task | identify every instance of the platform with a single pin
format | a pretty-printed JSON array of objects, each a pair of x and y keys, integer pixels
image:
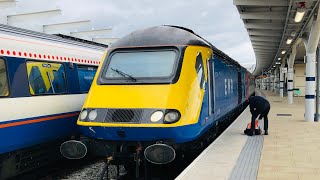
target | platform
[{"x": 290, "y": 151}]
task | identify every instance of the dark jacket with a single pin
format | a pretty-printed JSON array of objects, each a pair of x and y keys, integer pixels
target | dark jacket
[{"x": 258, "y": 105}]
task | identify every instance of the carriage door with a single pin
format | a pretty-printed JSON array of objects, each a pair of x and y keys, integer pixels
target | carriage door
[
  {"x": 211, "y": 99},
  {"x": 239, "y": 88}
]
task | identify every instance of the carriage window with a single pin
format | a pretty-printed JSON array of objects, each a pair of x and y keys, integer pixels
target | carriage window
[
  {"x": 86, "y": 75},
  {"x": 231, "y": 86},
  {"x": 46, "y": 78},
  {"x": 4, "y": 89},
  {"x": 199, "y": 69},
  {"x": 225, "y": 87}
]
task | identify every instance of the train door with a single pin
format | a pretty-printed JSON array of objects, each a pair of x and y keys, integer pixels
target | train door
[
  {"x": 211, "y": 96},
  {"x": 247, "y": 86},
  {"x": 239, "y": 87}
]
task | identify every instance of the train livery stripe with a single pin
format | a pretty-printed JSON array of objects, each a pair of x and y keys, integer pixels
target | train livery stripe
[
  {"x": 37, "y": 120},
  {"x": 26, "y": 108}
]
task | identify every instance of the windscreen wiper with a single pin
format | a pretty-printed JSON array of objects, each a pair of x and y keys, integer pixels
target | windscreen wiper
[{"x": 124, "y": 74}]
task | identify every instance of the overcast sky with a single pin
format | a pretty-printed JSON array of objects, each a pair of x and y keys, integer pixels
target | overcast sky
[{"x": 216, "y": 20}]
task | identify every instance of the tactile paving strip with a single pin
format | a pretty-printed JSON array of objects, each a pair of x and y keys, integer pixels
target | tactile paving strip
[{"x": 247, "y": 164}]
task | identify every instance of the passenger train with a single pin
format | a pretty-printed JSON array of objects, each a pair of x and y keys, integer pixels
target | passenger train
[
  {"x": 44, "y": 80},
  {"x": 159, "y": 92}
]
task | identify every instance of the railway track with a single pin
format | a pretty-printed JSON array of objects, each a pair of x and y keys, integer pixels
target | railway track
[{"x": 92, "y": 169}]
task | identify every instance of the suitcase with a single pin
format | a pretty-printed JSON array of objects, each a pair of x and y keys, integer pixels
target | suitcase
[{"x": 257, "y": 129}]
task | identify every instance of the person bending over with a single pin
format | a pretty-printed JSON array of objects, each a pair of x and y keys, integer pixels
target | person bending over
[{"x": 259, "y": 106}]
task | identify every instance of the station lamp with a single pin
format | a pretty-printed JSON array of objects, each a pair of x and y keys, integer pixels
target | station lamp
[
  {"x": 283, "y": 52},
  {"x": 300, "y": 12},
  {"x": 278, "y": 63},
  {"x": 279, "y": 58},
  {"x": 289, "y": 40}
]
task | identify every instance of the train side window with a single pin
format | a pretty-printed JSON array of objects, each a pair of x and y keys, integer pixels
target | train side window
[
  {"x": 86, "y": 75},
  {"x": 231, "y": 86},
  {"x": 36, "y": 81},
  {"x": 4, "y": 87},
  {"x": 199, "y": 70},
  {"x": 211, "y": 97},
  {"x": 46, "y": 78},
  {"x": 225, "y": 87}
]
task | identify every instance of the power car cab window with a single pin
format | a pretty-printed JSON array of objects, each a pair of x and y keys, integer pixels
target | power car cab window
[
  {"x": 141, "y": 66},
  {"x": 46, "y": 78},
  {"x": 4, "y": 89},
  {"x": 200, "y": 71}
]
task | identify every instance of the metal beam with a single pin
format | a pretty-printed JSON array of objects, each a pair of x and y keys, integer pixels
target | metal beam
[
  {"x": 265, "y": 39},
  {"x": 64, "y": 27},
  {"x": 264, "y": 47},
  {"x": 105, "y": 40},
  {"x": 265, "y": 50},
  {"x": 31, "y": 16},
  {"x": 261, "y": 3},
  {"x": 265, "y": 57},
  {"x": 264, "y": 33},
  {"x": 7, "y": 4},
  {"x": 89, "y": 34},
  {"x": 261, "y": 54},
  {"x": 263, "y": 15},
  {"x": 264, "y": 53},
  {"x": 264, "y": 25},
  {"x": 264, "y": 43}
]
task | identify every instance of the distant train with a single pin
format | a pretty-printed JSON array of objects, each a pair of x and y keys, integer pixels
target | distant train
[
  {"x": 44, "y": 80},
  {"x": 159, "y": 93}
]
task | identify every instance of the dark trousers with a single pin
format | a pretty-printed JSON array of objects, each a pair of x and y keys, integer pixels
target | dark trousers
[{"x": 263, "y": 114}]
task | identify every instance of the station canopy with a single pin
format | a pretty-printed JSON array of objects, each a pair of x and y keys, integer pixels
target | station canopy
[{"x": 274, "y": 26}]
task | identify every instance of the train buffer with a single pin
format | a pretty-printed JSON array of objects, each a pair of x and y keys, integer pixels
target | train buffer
[{"x": 290, "y": 151}]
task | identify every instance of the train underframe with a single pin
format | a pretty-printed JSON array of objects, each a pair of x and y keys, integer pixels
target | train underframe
[
  {"x": 24, "y": 160},
  {"x": 134, "y": 154}
]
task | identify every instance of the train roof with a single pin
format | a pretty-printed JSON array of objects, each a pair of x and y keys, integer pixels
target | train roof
[
  {"x": 18, "y": 42},
  {"x": 59, "y": 38},
  {"x": 168, "y": 35},
  {"x": 160, "y": 36}
]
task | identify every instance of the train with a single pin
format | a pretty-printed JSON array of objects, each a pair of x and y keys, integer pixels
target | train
[
  {"x": 44, "y": 80},
  {"x": 158, "y": 94}
]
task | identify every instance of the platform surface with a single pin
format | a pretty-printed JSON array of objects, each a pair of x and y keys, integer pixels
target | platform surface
[{"x": 290, "y": 151}]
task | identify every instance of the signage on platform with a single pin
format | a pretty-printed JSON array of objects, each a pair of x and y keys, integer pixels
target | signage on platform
[{"x": 284, "y": 70}]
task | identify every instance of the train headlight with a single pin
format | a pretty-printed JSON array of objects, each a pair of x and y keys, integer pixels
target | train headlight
[
  {"x": 156, "y": 116},
  {"x": 84, "y": 114},
  {"x": 172, "y": 116},
  {"x": 93, "y": 115}
]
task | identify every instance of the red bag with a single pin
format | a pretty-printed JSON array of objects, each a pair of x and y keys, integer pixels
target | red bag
[{"x": 257, "y": 129}]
